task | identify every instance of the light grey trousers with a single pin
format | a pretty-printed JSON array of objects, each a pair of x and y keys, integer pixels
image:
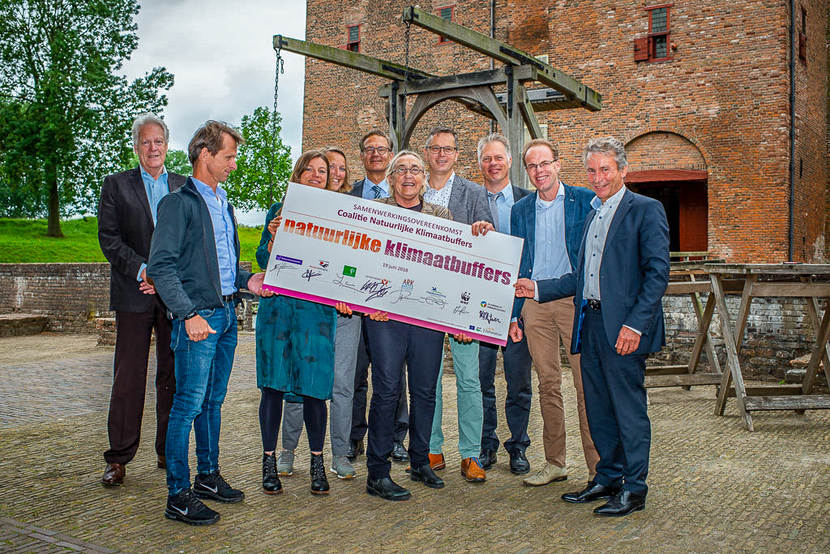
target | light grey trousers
[{"x": 346, "y": 339}]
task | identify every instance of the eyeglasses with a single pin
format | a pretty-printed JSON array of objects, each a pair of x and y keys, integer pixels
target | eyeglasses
[
  {"x": 541, "y": 165},
  {"x": 382, "y": 150},
  {"x": 158, "y": 143},
  {"x": 443, "y": 149},
  {"x": 411, "y": 170}
]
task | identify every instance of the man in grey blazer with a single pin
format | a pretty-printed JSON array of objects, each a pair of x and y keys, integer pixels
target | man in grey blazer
[
  {"x": 467, "y": 203},
  {"x": 126, "y": 219}
]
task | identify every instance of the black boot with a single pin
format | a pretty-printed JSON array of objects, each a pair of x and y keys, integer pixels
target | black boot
[
  {"x": 270, "y": 480},
  {"x": 319, "y": 483}
]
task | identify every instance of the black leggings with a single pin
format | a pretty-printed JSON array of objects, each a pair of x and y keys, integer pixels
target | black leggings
[{"x": 270, "y": 414}]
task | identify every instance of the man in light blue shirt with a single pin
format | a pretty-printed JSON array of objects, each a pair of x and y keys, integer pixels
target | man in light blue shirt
[
  {"x": 551, "y": 222},
  {"x": 494, "y": 161},
  {"x": 126, "y": 220}
]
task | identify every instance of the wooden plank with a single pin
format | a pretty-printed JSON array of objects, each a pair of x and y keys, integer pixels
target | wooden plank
[
  {"x": 733, "y": 363},
  {"x": 769, "y": 269},
  {"x": 790, "y": 290},
  {"x": 819, "y": 352},
  {"x": 809, "y": 377},
  {"x": 768, "y": 390},
  {"x": 506, "y": 53},
  {"x": 347, "y": 58},
  {"x": 681, "y": 369},
  {"x": 743, "y": 311},
  {"x": 685, "y": 380},
  {"x": 704, "y": 337},
  {"x": 680, "y": 287},
  {"x": 802, "y": 402}
]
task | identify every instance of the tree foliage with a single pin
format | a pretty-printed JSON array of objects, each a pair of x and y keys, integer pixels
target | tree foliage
[
  {"x": 263, "y": 163},
  {"x": 65, "y": 110}
]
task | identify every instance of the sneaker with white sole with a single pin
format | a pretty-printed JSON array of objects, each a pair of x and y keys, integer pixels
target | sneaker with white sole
[
  {"x": 285, "y": 463},
  {"x": 342, "y": 467},
  {"x": 548, "y": 474}
]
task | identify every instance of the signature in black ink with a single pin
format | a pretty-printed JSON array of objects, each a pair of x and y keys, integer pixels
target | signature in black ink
[
  {"x": 376, "y": 288},
  {"x": 488, "y": 317},
  {"x": 309, "y": 273},
  {"x": 406, "y": 294},
  {"x": 460, "y": 309}
]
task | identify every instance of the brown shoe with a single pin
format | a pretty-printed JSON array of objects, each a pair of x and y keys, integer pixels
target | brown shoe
[
  {"x": 161, "y": 462},
  {"x": 472, "y": 471},
  {"x": 436, "y": 462},
  {"x": 113, "y": 475}
]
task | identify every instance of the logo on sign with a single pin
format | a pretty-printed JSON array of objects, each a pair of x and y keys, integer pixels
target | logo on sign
[
  {"x": 465, "y": 297},
  {"x": 349, "y": 271}
]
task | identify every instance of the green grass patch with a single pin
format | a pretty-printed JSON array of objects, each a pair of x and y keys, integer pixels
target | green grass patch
[{"x": 25, "y": 241}]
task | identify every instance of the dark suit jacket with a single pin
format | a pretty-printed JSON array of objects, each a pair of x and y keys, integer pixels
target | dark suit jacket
[
  {"x": 125, "y": 227},
  {"x": 632, "y": 278},
  {"x": 183, "y": 261},
  {"x": 357, "y": 187},
  {"x": 523, "y": 225},
  {"x": 468, "y": 202}
]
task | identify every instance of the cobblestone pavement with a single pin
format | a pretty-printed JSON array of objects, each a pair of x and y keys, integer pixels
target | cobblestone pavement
[{"x": 714, "y": 486}]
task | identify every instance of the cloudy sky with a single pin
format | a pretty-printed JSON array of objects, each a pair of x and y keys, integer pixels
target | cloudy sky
[{"x": 222, "y": 58}]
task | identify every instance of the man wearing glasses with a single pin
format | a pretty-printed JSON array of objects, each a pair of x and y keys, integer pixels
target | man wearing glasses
[
  {"x": 550, "y": 221},
  {"x": 467, "y": 203},
  {"x": 375, "y": 153}
]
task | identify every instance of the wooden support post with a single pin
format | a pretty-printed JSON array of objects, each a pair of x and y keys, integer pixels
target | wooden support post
[{"x": 733, "y": 363}]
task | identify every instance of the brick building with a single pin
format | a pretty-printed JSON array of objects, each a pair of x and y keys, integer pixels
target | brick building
[{"x": 699, "y": 92}]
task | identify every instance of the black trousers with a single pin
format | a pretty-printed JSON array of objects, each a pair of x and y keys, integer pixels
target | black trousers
[
  {"x": 392, "y": 343},
  {"x": 361, "y": 390},
  {"x": 132, "y": 351}
]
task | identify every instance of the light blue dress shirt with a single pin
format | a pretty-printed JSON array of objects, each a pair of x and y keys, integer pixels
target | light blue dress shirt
[
  {"x": 369, "y": 193},
  {"x": 155, "y": 189},
  {"x": 595, "y": 241},
  {"x": 223, "y": 232},
  {"x": 550, "y": 255},
  {"x": 504, "y": 201}
]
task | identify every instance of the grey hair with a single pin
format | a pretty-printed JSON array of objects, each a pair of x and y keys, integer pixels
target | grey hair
[
  {"x": 143, "y": 120},
  {"x": 398, "y": 156},
  {"x": 493, "y": 137},
  {"x": 606, "y": 145}
]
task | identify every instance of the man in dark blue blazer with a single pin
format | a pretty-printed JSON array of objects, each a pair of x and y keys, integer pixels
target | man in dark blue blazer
[
  {"x": 550, "y": 221},
  {"x": 494, "y": 161},
  {"x": 618, "y": 285}
]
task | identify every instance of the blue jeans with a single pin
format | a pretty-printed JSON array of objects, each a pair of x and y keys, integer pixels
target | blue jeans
[{"x": 202, "y": 372}]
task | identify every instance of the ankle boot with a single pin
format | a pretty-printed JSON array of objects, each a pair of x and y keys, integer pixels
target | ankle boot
[
  {"x": 319, "y": 483},
  {"x": 270, "y": 480}
]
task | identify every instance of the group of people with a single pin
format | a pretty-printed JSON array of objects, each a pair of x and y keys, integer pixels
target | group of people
[{"x": 593, "y": 270}]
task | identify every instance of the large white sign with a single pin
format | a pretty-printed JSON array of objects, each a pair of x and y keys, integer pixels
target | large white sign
[{"x": 421, "y": 269}]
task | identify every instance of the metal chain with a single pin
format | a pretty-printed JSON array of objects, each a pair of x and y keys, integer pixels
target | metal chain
[
  {"x": 279, "y": 68},
  {"x": 406, "y": 67}
]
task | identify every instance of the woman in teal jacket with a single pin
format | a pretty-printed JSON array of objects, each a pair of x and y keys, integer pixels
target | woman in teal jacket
[{"x": 294, "y": 350}]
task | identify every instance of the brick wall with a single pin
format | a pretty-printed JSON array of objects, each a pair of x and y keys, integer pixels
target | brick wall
[
  {"x": 725, "y": 90},
  {"x": 73, "y": 295}
]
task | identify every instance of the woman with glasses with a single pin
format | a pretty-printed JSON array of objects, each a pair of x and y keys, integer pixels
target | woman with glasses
[
  {"x": 294, "y": 349},
  {"x": 392, "y": 343},
  {"x": 346, "y": 339}
]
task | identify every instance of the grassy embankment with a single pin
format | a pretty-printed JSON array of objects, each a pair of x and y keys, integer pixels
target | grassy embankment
[{"x": 25, "y": 241}]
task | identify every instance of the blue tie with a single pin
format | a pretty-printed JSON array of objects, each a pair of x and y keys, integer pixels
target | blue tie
[{"x": 377, "y": 190}]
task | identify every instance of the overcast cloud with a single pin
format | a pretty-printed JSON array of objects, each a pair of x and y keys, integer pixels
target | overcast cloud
[{"x": 222, "y": 58}]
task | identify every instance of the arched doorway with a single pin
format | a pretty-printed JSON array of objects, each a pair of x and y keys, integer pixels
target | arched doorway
[{"x": 670, "y": 168}]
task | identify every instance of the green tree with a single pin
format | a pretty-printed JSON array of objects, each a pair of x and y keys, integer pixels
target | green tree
[
  {"x": 263, "y": 162},
  {"x": 66, "y": 113}
]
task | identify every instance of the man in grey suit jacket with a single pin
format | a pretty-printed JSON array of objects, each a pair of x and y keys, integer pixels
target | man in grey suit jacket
[
  {"x": 467, "y": 203},
  {"x": 126, "y": 219}
]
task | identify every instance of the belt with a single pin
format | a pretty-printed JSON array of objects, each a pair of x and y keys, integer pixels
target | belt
[
  {"x": 229, "y": 297},
  {"x": 594, "y": 304}
]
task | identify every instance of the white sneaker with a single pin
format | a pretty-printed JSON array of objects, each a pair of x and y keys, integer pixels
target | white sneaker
[
  {"x": 548, "y": 474},
  {"x": 342, "y": 467},
  {"x": 285, "y": 463}
]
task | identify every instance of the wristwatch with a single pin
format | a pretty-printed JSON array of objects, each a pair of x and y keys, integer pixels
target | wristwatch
[{"x": 191, "y": 314}]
